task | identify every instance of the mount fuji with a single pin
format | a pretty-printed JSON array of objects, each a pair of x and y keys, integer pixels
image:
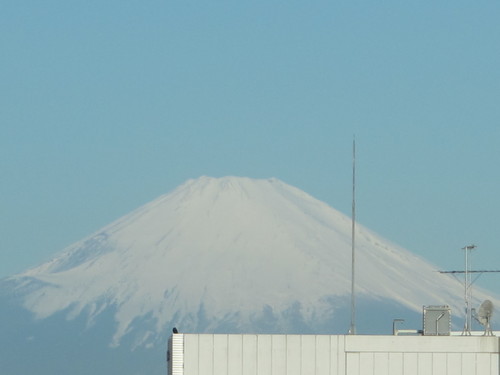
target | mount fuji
[{"x": 215, "y": 255}]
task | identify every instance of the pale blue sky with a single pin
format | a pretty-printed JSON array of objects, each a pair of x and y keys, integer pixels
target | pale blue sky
[{"x": 105, "y": 105}]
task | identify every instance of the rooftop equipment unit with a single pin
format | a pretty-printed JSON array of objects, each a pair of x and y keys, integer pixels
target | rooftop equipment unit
[{"x": 437, "y": 321}]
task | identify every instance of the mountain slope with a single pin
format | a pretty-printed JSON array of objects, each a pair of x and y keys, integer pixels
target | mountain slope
[{"x": 234, "y": 254}]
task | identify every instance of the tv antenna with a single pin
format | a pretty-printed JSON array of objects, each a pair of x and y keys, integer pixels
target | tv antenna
[{"x": 468, "y": 287}]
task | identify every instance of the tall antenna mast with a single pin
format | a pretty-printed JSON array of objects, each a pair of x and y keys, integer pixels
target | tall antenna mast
[
  {"x": 352, "y": 329},
  {"x": 468, "y": 292}
]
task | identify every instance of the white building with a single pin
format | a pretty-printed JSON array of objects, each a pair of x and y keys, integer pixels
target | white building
[{"x": 260, "y": 354}]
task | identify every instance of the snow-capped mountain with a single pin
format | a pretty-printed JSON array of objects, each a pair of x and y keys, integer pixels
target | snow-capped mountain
[{"x": 230, "y": 254}]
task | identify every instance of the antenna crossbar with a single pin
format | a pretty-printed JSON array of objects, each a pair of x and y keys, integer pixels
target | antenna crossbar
[{"x": 479, "y": 271}]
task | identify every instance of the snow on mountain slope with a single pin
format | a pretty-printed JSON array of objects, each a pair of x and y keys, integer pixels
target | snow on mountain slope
[{"x": 228, "y": 248}]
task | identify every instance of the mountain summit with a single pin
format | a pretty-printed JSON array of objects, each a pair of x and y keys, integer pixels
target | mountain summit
[{"x": 236, "y": 255}]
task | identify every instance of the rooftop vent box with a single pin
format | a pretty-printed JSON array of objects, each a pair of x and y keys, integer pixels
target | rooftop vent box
[{"x": 437, "y": 321}]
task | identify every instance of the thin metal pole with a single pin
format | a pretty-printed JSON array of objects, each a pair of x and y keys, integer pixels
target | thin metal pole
[
  {"x": 466, "y": 283},
  {"x": 467, "y": 288},
  {"x": 352, "y": 330},
  {"x": 467, "y": 292}
]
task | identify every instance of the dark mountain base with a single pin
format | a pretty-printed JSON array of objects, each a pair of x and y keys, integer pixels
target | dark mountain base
[{"x": 58, "y": 346}]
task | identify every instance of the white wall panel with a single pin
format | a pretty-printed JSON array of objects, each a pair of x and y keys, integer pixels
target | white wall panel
[
  {"x": 191, "y": 354},
  {"x": 454, "y": 363},
  {"x": 439, "y": 363},
  {"x": 381, "y": 364},
  {"x": 352, "y": 364},
  {"x": 220, "y": 355},
  {"x": 495, "y": 364},
  {"x": 308, "y": 355},
  {"x": 410, "y": 364},
  {"x": 323, "y": 358},
  {"x": 235, "y": 355},
  {"x": 366, "y": 363},
  {"x": 278, "y": 352},
  {"x": 395, "y": 364},
  {"x": 293, "y": 350},
  {"x": 341, "y": 355},
  {"x": 249, "y": 355},
  {"x": 483, "y": 363},
  {"x": 468, "y": 363},
  {"x": 424, "y": 363},
  {"x": 206, "y": 353},
  {"x": 264, "y": 360},
  {"x": 336, "y": 352}
]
